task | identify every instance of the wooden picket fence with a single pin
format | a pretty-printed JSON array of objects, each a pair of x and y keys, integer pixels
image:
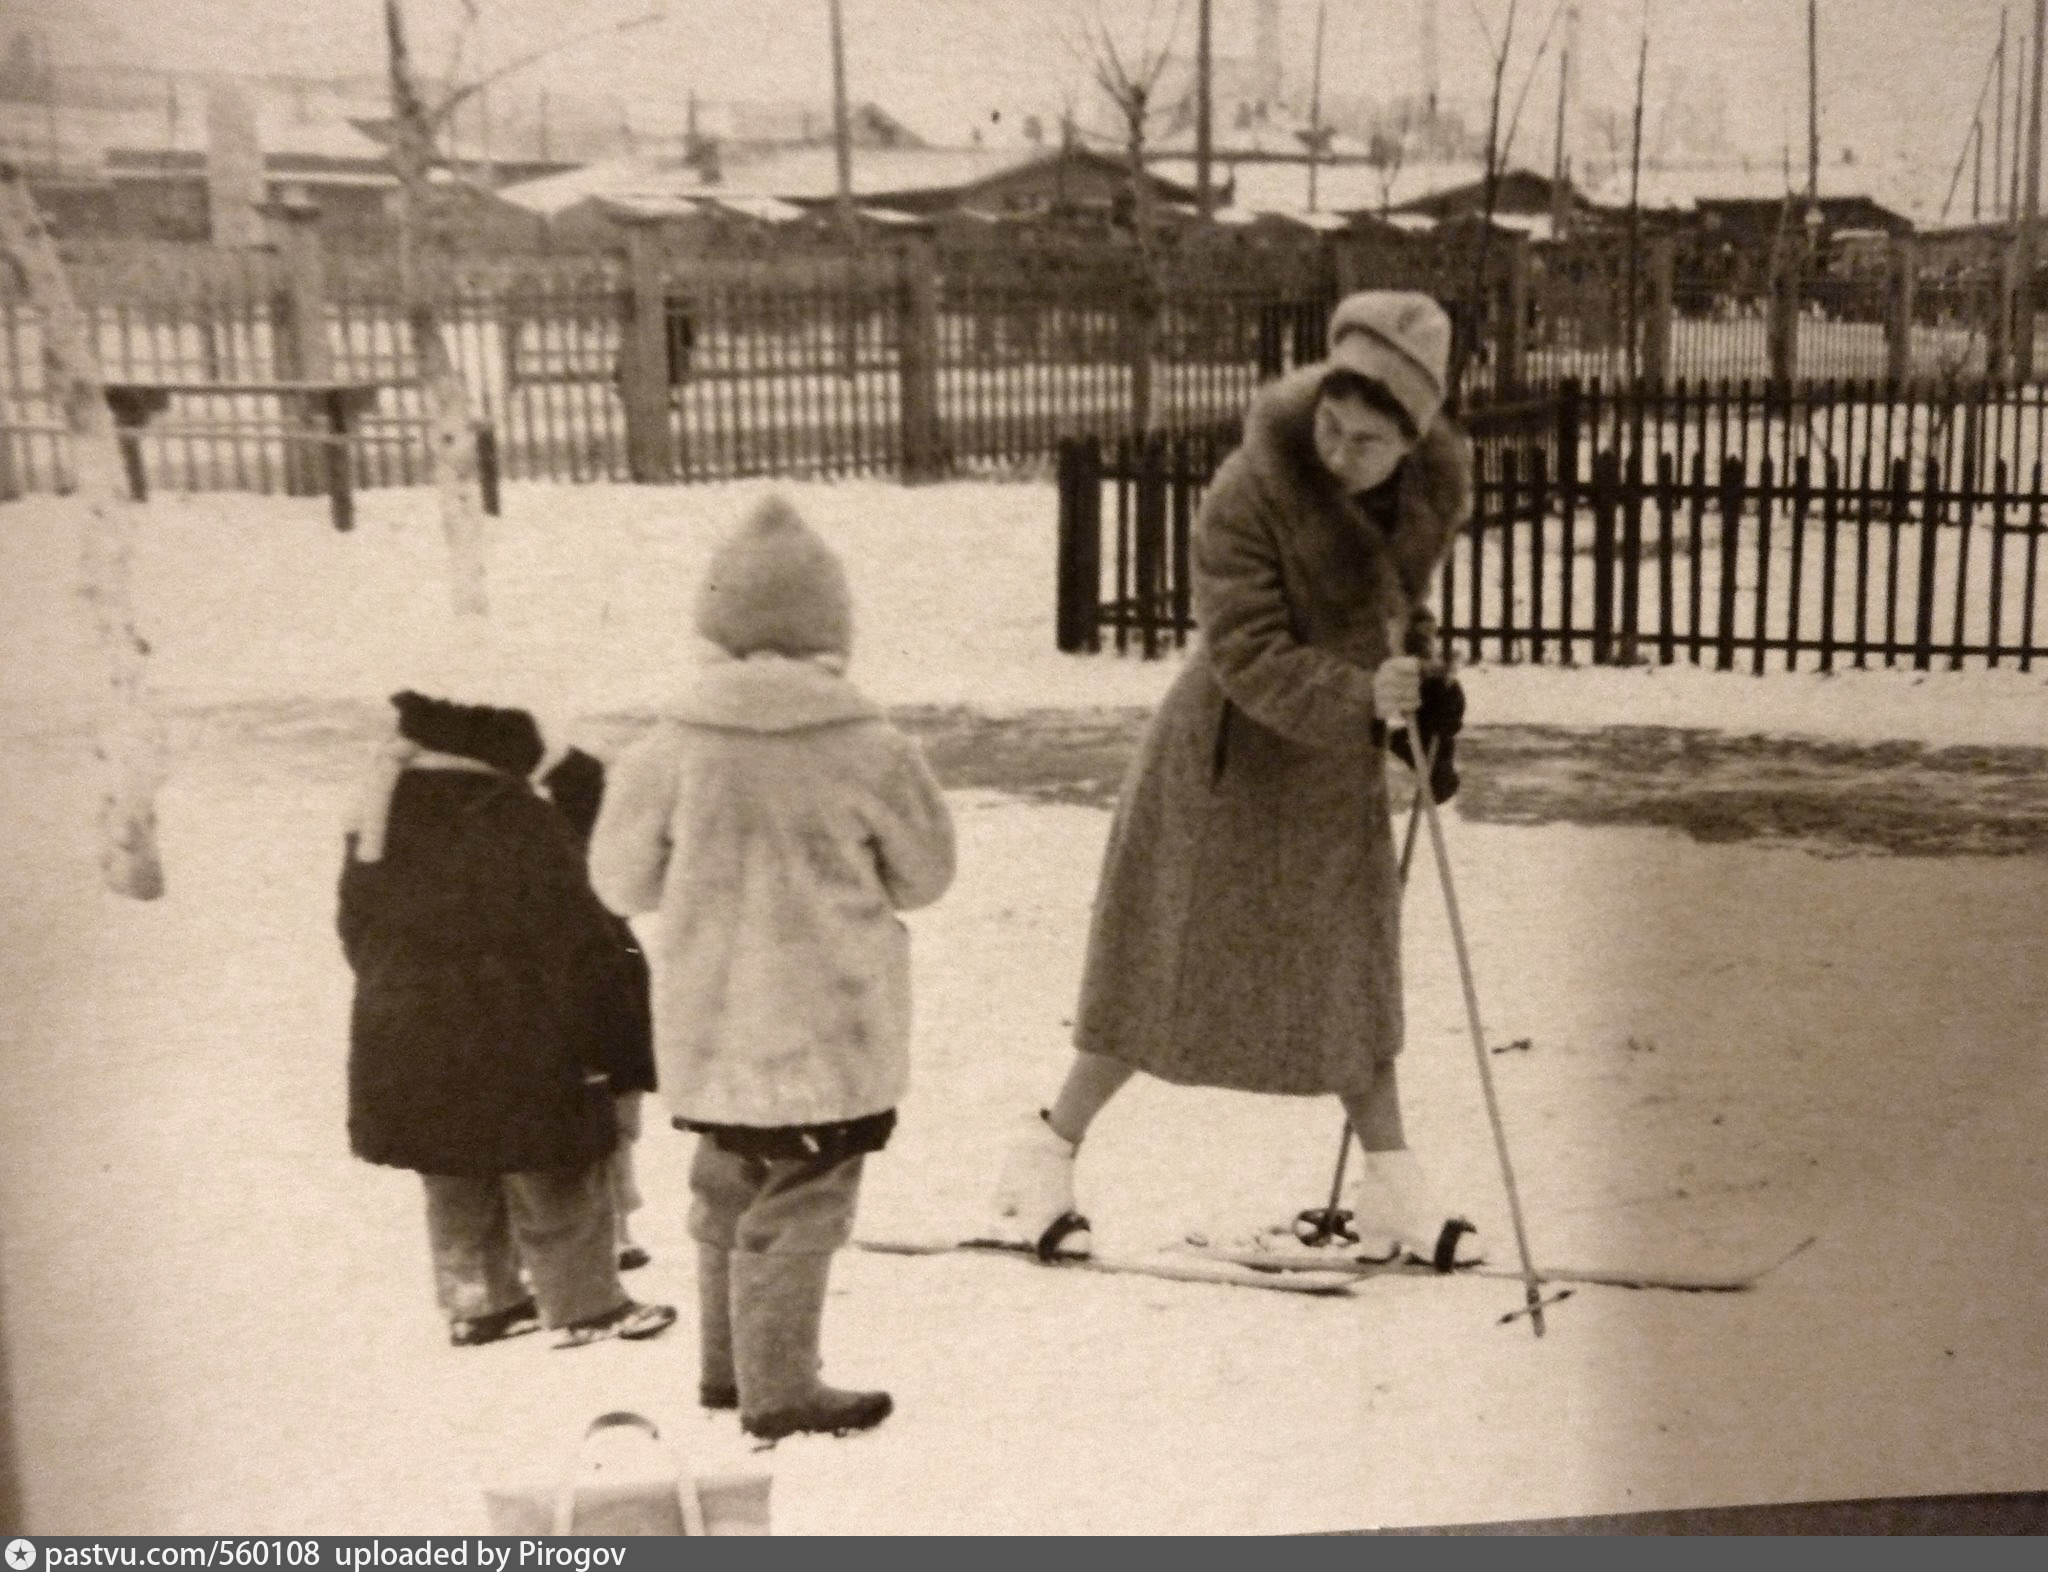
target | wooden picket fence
[
  {"x": 1640, "y": 528},
  {"x": 978, "y": 345},
  {"x": 913, "y": 359}
]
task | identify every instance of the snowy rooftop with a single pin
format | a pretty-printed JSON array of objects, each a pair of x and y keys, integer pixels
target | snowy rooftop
[{"x": 92, "y": 134}]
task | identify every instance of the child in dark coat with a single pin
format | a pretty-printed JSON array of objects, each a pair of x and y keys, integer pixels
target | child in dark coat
[
  {"x": 468, "y": 919},
  {"x": 622, "y": 1018}
]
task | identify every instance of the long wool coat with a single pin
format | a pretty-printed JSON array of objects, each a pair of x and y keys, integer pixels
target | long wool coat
[
  {"x": 477, "y": 945},
  {"x": 778, "y": 823},
  {"x": 1246, "y": 930}
]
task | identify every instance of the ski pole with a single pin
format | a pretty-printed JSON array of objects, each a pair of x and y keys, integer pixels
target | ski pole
[
  {"x": 1531, "y": 1284},
  {"x": 1319, "y": 1228}
]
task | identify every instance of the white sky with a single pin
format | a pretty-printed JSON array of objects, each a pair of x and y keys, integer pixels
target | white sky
[{"x": 1899, "y": 76}]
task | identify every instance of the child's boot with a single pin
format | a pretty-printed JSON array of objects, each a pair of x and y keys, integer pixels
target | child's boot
[
  {"x": 717, "y": 1384},
  {"x": 1034, "y": 1201},
  {"x": 778, "y": 1305}
]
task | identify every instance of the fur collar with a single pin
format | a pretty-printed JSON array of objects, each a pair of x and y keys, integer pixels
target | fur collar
[
  {"x": 1436, "y": 480},
  {"x": 766, "y": 692}
]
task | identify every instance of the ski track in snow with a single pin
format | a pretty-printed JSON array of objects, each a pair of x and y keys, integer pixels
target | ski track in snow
[{"x": 217, "y": 1321}]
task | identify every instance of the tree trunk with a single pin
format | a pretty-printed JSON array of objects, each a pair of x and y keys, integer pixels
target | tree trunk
[
  {"x": 128, "y": 739},
  {"x": 451, "y": 445}
]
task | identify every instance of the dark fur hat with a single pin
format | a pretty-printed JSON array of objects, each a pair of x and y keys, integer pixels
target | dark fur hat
[{"x": 508, "y": 740}]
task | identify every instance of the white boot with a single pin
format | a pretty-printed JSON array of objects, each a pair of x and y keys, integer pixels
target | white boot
[
  {"x": 1034, "y": 1202},
  {"x": 1394, "y": 1212}
]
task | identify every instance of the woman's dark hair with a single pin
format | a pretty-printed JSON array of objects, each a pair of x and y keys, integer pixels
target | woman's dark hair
[{"x": 1344, "y": 383}]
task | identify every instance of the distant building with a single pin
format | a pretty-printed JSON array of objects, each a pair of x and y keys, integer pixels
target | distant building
[
  {"x": 1755, "y": 222},
  {"x": 889, "y": 186},
  {"x": 1523, "y": 201},
  {"x": 128, "y": 174},
  {"x": 1964, "y": 253}
]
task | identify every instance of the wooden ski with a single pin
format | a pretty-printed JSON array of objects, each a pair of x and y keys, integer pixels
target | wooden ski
[
  {"x": 1172, "y": 1265},
  {"x": 1285, "y": 1263}
]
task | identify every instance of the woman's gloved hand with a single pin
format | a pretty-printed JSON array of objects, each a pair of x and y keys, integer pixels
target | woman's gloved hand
[{"x": 1439, "y": 716}]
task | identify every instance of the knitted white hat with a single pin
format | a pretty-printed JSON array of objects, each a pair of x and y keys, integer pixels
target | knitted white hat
[
  {"x": 775, "y": 585},
  {"x": 1400, "y": 339}
]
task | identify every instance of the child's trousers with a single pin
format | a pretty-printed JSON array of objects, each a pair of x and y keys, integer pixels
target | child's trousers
[
  {"x": 766, "y": 1231},
  {"x": 557, "y": 1224},
  {"x": 772, "y": 1205}
]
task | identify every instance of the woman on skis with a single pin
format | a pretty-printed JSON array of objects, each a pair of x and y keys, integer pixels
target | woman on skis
[{"x": 1246, "y": 931}]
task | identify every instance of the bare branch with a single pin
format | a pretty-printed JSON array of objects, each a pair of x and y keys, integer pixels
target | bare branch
[
  {"x": 460, "y": 44},
  {"x": 1073, "y": 34},
  {"x": 1522, "y": 98},
  {"x": 1485, "y": 31},
  {"x": 1129, "y": 74},
  {"x": 1109, "y": 65},
  {"x": 406, "y": 109},
  {"x": 460, "y": 95}
]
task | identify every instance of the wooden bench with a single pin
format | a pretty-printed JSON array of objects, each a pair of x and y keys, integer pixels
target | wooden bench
[{"x": 338, "y": 404}]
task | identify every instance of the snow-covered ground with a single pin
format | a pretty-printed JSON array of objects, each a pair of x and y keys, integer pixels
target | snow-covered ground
[{"x": 217, "y": 1321}]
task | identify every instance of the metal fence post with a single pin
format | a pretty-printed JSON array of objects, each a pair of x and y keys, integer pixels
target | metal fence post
[
  {"x": 1078, "y": 613},
  {"x": 917, "y": 362},
  {"x": 302, "y": 352},
  {"x": 1511, "y": 332},
  {"x": 1998, "y": 322},
  {"x": 1898, "y": 321},
  {"x": 1663, "y": 270},
  {"x": 1140, "y": 329},
  {"x": 1784, "y": 320},
  {"x": 2022, "y": 343},
  {"x": 643, "y": 362}
]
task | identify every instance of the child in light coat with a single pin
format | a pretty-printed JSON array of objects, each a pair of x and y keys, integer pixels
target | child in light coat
[{"x": 777, "y": 822}]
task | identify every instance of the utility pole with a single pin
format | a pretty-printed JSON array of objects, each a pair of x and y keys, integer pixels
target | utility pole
[
  {"x": 1977, "y": 170},
  {"x": 1812, "y": 110},
  {"x": 1205, "y": 196},
  {"x": 1316, "y": 136},
  {"x": 1635, "y": 205},
  {"x": 842, "y": 126},
  {"x": 2019, "y": 115},
  {"x": 1998, "y": 124},
  {"x": 2030, "y": 215},
  {"x": 1558, "y": 167}
]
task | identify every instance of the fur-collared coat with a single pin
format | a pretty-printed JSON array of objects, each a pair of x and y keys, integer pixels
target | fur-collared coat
[
  {"x": 481, "y": 956},
  {"x": 778, "y": 823},
  {"x": 1246, "y": 930}
]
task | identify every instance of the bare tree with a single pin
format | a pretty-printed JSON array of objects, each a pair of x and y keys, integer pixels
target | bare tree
[
  {"x": 1500, "y": 141},
  {"x": 128, "y": 739},
  {"x": 1129, "y": 74},
  {"x": 420, "y": 120}
]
